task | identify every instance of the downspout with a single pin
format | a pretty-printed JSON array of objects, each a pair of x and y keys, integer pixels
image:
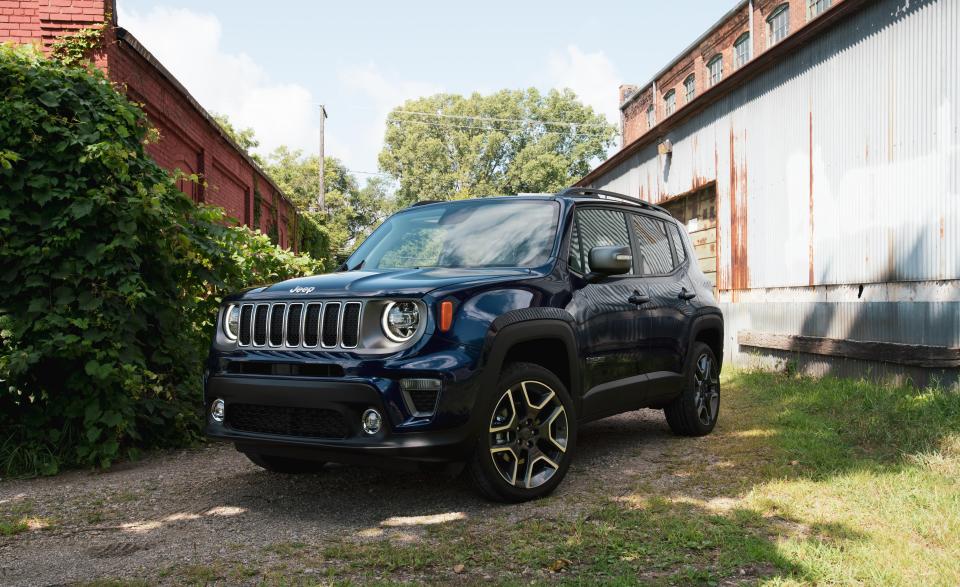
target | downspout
[{"x": 750, "y": 17}]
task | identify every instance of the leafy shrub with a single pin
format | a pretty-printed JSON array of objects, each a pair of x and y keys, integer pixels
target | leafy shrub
[{"x": 112, "y": 277}]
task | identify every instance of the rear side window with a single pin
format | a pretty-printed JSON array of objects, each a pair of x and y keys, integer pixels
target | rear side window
[
  {"x": 678, "y": 244},
  {"x": 597, "y": 227},
  {"x": 653, "y": 246}
]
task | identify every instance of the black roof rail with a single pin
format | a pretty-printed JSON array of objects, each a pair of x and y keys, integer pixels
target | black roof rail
[
  {"x": 592, "y": 193},
  {"x": 425, "y": 202}
]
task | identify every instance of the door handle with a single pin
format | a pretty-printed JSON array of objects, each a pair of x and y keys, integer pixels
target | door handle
[
  {"x": 686, "y": 295},
  {"x": 638, "y": 298}
]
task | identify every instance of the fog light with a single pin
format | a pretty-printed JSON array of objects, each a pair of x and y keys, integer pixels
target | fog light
[
  {"x": 217, "y": 409},
  {"x": 371, "y": 421}
]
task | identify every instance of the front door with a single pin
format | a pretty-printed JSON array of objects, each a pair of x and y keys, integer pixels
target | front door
[{"x": 606, "y": 316}]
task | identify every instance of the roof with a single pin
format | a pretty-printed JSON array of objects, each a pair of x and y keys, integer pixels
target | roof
[
  {"x": 124, "y": 36},
  {"x": 738, "y": 78}
]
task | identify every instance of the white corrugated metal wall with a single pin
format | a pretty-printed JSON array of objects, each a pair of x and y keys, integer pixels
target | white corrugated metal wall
[{"x": 837, "y": 166}]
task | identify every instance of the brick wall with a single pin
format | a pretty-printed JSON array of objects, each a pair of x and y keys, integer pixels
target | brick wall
[
  {"x": 634, "y": 100},
  {"x": 190, "y": 141}
]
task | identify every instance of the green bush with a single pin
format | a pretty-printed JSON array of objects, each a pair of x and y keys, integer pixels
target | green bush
[{"x": 112, "y": 277}]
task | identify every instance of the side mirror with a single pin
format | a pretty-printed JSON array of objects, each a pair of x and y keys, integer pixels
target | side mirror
[{"x": 614, "y": 260}]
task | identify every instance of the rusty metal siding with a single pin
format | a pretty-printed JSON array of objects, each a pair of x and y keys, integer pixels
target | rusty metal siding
[{"x": 839, "y": 165}]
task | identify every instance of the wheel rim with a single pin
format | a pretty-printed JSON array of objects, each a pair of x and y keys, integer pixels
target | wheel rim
[
  {"x": 528, "y": 434},
  {"x": 707, "y": 399}
]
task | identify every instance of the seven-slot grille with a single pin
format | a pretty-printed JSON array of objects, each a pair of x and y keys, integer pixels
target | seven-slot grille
[{"x": 301, "y": 324}]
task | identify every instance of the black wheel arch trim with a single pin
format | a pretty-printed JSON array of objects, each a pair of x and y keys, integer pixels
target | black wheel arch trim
[
  {"x": 526, "y": 324},
  {"x": 706, "y": 322}
]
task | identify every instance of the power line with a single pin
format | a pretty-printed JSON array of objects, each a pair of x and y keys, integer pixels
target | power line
[
  {"x": 488, "y": 129},
  {"x": 493, "y": 119}
]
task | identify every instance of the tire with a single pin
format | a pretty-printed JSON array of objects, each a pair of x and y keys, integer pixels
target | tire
[
  {"x": 512, "y": 429},
  {"x": 694, "y": 412},
  {"x": 284, "y": 464}
]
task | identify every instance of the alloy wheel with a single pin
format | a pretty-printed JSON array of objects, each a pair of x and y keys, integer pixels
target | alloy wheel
[
  {"x": 528, "y": 434},
  {"x": 707, "y": 383}
]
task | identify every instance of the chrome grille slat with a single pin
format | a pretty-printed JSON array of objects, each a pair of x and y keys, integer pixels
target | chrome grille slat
[
  {"x": 246, "y": 324},
  {"x": 311, "y": 325},
  {"x": 278, "y": 316},
  {"x": 330, "y": 327},
  {"x": 350, "y": 325},
  {"x": 260, "y": 318},
  {"x": 294, "y": 325}
]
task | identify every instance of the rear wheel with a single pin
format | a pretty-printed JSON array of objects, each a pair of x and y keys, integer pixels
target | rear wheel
[
  {"x": 284, "y": 464},
  {"x": 695, "y": 411},
  {"x": 528, "y": 435}
]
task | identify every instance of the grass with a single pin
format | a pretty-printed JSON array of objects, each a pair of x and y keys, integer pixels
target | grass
[{"x": 805, "y": 482}]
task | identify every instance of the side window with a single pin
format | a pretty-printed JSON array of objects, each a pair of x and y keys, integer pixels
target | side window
[
  {"x": 654, "y": 247},
  {"x": 601, "y": 228},
  {"x": 678, "y": 244}
]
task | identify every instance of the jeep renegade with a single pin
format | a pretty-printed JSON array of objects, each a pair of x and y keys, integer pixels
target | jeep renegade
[{"x": 480, "y": 332}]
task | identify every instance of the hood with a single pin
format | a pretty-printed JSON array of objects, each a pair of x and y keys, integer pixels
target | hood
[{"x": 404, "y": 282}]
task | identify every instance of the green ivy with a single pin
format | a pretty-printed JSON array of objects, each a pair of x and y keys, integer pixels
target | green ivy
[
  {"x": 112, "y": 277},
  {"x": 76, "y": 49}
]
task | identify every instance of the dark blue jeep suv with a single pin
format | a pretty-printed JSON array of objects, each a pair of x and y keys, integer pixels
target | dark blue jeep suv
[{"x": 479, "y": 331}]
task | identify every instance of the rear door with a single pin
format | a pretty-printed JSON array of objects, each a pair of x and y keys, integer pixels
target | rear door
[{"x": 664, "y": 318}]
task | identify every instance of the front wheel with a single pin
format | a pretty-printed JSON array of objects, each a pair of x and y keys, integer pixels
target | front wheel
[
  {"x": 694, "y": 412},
  {"x": 528, "y": 435}
]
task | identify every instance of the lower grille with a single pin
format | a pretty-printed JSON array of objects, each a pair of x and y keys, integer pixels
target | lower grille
[{"x": 287, "y": 421}]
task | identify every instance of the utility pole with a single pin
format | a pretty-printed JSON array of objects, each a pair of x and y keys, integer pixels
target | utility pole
[{"x": 321, "y": 197}]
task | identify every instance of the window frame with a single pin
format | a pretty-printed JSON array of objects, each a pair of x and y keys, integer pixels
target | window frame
[
  {"x": 718, "y": 58},
  {"x": 635, "y": 245},
  {"x": 670, "y": 102},
  {"x": 821, "y": 5},
  {"x": 690, "y": 92},
  {"x": 584, "y": 255},
  {"x": 743, "y": 39},
  {"x": 775, "y": 14}
]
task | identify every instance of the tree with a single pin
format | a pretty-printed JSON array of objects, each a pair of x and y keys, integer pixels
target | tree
[
  {"x": 244, "y": 138},
  {"x": 448, "y": 146},
  {"x": 352, "y": 212}
]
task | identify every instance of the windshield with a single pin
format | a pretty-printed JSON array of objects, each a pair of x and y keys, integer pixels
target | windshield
[{"x": 476, "y": 233}]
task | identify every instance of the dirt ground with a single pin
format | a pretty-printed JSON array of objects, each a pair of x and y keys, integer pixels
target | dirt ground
[{"x": 200, "y": 507}]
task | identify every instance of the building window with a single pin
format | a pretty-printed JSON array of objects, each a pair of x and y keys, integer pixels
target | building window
[
  {"x": 690, "y": 87},
  {"x": 715, "y": 66},
  {"x": 670, "y": 102},
  {"x": 741, "y": 51},
  {"x": 651, "y": 117},
  {"x": 778, "y": 24},
  {"x": 815, "y": 7}
]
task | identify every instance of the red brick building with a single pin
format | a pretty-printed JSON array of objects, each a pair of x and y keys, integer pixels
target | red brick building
[
  {"x": 190, "y": 140},
  {"x": 744, "y": 33}
]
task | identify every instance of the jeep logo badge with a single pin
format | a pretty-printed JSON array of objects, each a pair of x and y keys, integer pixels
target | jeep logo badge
[{"x": 303, "y": 290}]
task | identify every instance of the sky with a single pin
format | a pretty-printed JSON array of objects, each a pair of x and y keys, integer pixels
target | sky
[{"x": 269, "y": 66}]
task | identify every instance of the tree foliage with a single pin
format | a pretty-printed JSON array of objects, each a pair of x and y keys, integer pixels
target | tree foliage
[
  {"x": 112, "y": 277},
  {"x": 245, "y": 138},
  {"x": 503, "y": 143},
  {"x": 351, "y": 211}
]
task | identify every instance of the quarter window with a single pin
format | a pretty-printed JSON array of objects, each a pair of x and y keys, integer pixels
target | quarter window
[
  {"x": 741, "y": 51},
  {"x": 599, "y": 228},
  {"x": 670, "y": 102},
  {"x": 778, "y": 24},
  {"x": 653, "y": 246},
  {"x": 715, "y": 66},
  {"x": 651, "y": 117},
  {"x": 690, "y": 87},
  {"x": 678, "y": 244},
  {"x": 815, "y": 7}
]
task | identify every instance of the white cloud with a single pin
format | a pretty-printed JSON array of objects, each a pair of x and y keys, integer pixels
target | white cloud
[
  {"x": 383, "y": 93},
  {"x": 229, "y": 83},
  {"x": 592, "y": 76}
]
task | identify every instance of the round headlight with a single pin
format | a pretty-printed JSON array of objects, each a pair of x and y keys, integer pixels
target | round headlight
[
  {"x": 400, "y": 320},
  {"x": 231, "y": 322}
]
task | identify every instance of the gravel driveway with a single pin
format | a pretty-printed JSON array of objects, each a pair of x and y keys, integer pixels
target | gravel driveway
[{"x": 142, "y": 520}]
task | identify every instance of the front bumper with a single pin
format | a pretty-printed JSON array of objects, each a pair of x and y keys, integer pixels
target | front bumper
[{"x": 348, "y": 397}]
